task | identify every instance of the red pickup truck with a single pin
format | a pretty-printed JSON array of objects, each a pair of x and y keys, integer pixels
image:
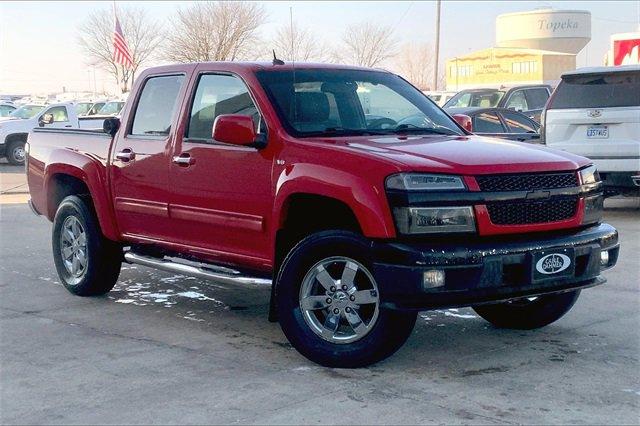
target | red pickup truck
[{"x": 356, "y": 198}]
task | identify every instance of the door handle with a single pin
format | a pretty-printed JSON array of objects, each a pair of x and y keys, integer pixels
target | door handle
[
  {"x": 184, "y": 159},
  {"x": 126, "y": 155}
]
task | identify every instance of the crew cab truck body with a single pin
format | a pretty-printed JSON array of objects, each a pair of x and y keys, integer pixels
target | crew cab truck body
[{"x": 346, "y": 189}]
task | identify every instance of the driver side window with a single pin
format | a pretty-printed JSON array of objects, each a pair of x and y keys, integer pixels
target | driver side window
[{"x": 59, "y": 114}]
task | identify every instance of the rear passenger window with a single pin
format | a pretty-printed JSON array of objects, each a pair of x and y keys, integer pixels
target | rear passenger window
[
  {"x": 487, "y": 122},
  {"x": 156, "y": 105},
  {"x": 216, "y": 95}
]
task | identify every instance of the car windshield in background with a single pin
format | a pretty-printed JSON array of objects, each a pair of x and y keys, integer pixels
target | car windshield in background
[
  {"x": 111, "y": 108},
  {"x": 26, "y": 111},
  {"x": 484, "y": 99},
  {"x": 620, "y": 89},
  {"x": 83, "y": 107},
  {"x": 352, "y": 102}
]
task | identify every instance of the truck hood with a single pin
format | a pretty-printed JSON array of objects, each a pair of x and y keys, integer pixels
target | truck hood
[{"x": 466, "y": 154}]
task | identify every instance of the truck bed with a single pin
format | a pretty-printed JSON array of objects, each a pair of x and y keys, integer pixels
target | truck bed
[{"x": 50, "y": 148}]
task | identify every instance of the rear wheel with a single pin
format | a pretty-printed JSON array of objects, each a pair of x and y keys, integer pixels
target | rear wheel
[
  {"x": 529, "y": 313},
  {"x": 329, "y": 303},
  {"x": 15, "y": 153},
  {"x": 87, "y": 263}
]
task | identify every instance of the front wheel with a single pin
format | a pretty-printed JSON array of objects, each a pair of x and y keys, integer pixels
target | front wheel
[
  {"x": 88, "y": 264},
  {"x": 329, "y": 303},
  {"x": 528, "y": 313},
  {"x": 15, "y": 153}
]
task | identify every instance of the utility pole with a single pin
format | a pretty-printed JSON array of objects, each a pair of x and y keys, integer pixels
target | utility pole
[{"x": 435, "y": 69}]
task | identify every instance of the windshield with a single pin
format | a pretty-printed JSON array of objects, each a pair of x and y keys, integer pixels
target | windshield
[
  {"x": 111, "y": 108},
  {"x": 484, "y": 99},
  {"x": 352, "y": 102},
  {"x": 26, "y": 111}
]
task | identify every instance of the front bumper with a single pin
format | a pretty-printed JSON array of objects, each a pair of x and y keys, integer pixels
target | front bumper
[{"x": 488, "y": 269}]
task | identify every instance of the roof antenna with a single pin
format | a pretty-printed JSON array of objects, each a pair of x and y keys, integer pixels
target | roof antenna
[{"x": 276, "y": 61}]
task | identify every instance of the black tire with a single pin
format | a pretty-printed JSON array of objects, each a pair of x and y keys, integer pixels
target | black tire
[
  {"x": 527, "y": 314},
  {"x": 389, "y": 332},
  {"x": 103, "y": 258},
  {"x": 15, "y": 152}
]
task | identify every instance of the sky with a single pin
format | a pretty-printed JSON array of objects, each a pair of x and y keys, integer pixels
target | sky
[{"x": 39, "y": 52}]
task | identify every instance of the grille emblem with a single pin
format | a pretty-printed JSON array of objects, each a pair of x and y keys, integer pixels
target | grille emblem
[{"x": 594, "y": 113}]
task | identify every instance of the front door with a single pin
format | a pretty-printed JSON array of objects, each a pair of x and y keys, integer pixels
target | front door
[
  {"x": 221, "y": 194},
  {"x": 141, "y": 158}
]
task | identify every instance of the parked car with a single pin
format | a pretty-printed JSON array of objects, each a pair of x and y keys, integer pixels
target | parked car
[
  {"x": 6, "y": 109},
  {"x": 14, "y": 131},
  {"x": 595, "y": 112},
  {"x": 262, "y": 174},
  {"x": 529, "y": 100},
  {"x": 439, "y": 97},
  {"x": 500, "y": 123}
]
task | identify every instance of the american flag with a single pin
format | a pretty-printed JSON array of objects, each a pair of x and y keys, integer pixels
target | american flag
[{"x": 121, "y": 52}]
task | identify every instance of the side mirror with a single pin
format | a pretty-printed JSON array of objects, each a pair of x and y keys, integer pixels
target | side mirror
[
  {"x": 111, "y": 125},
  {"x": 464, "y": 121},
  {"x": 45, "y": 119},
  {"x": 234, "y": 129}
]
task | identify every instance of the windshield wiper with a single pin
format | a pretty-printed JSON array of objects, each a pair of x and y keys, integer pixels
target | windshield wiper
[
  {"x": 334, "y": 131},
  {"x": 411, "y": 128}
]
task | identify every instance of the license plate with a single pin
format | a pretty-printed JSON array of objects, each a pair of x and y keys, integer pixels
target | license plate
[
  {"x": 598, "y": 132},
  {"x": 551, "y": 264}
]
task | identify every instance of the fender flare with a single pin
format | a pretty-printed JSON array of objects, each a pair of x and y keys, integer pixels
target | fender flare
[
  {"x": 367, "y": 202},
  {"x": 93, "y": 173}
]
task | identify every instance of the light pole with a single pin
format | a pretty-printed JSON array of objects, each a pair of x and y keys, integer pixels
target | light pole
[{"x": 435, "y": 71}]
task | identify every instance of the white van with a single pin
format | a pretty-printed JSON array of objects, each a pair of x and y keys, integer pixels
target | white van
[{"x": 595, "y": 112}]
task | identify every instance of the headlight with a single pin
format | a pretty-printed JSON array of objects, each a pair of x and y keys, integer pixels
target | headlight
[
  {"x": 428, "y": 220},
  {"x": 424, "y": 182},
  {"x": 589, "y": 175}
]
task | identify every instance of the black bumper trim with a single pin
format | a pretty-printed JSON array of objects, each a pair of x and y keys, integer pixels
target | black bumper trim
[{"x": 486, "y": 271}]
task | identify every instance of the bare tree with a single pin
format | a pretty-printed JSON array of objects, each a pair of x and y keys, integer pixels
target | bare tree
[
  {"x": 143, "y": 35},
  {"x": 299, "y": 44},
  {"x": 367, "y": 44},
  {"x": 415, "y": 63},
  {"x": 214, "y": 31}
]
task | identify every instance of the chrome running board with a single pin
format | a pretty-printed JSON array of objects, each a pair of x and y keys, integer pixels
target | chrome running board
[{"x": 195, "y": 269}]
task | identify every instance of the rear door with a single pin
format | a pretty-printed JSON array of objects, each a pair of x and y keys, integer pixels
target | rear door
[
  {"x": 597, "y": 116},
  {"x": 141, "y": 157}
]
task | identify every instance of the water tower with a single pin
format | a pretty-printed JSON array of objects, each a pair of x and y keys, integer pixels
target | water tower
[{"x": 566, "y": 31}]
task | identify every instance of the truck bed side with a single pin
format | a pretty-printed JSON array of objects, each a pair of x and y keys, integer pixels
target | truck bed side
[{"x": 62, "y": 159}]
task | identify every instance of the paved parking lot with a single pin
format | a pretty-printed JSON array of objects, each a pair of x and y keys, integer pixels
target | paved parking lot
[{"x": 163, "y": 348}]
